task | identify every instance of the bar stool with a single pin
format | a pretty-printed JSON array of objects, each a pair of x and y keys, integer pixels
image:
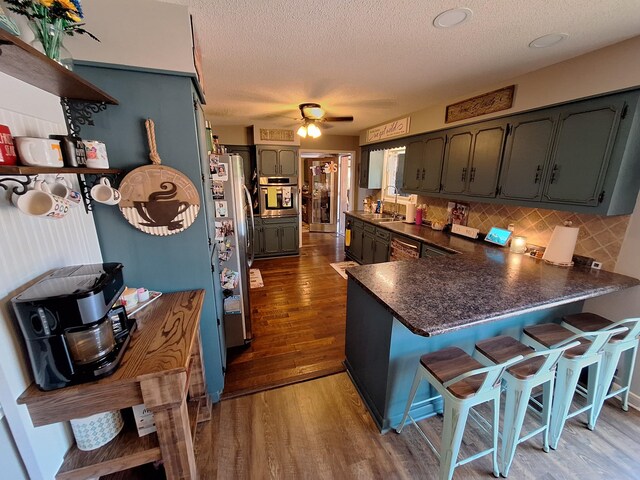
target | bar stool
[
  {"x": 570, "y": 364},
  {"x": 463, "y": 383},
  {"x": 535, "y": 369},
  {"x": 613, "y": 350}
]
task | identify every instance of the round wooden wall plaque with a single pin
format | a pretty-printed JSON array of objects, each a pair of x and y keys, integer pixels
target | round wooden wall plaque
[{"x": 159, "y": 200}]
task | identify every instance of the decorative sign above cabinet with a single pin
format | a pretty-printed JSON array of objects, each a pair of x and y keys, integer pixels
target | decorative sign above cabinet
[
  {"x": 495, "y": 101},
  {"x": 388, "y": 130}
]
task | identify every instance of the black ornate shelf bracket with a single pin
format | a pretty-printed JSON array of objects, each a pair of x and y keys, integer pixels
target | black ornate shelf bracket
[
  {"x": 23, "y": 182},
  {"x": 78, "y": 113}
]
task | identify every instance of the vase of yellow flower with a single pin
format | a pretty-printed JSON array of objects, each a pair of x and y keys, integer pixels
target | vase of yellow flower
[{"x": 50, "y": 22}]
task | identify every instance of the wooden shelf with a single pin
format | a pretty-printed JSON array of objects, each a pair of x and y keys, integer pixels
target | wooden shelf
[
  {"x": 126, "y": 451},
  {"x": 25, "y": 63},
  {"x": 22, "y": 170}
]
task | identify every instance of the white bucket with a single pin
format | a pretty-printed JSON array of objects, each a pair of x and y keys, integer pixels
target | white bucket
[{"x": 97, "y": 430}]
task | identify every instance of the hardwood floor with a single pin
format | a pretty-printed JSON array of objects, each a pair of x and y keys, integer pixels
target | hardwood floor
[
  {"x": 298, "y": 320},
  {"x": 321, "y": 429}
]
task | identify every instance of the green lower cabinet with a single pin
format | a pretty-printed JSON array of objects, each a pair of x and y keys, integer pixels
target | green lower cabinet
[
  {"x": 271, "y": 239},
  {"x": 276, "y": 237},
  {"x": 355, "y": 249},
  {"x": 368, "y": 248},
  {"x": 289, "y": 238},
  {"x": 381, "y": 251}
]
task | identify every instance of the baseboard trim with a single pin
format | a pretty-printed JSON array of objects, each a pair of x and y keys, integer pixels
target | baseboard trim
[{"x": 634, "y": 400}]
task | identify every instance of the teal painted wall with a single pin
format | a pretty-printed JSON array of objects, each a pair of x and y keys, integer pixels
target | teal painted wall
[{"x": 167, "y": 264}]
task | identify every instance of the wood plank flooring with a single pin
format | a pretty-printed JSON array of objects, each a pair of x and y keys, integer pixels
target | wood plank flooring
[
  {"x": 298, "y": 320},
  {"x": 320, "y": 429}
]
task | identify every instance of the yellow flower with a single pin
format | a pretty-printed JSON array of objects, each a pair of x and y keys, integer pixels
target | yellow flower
[
  {"x": 66, "y": 4},
  {"x": 46, "y": 3},
  {"x": 73, "y": 17}
]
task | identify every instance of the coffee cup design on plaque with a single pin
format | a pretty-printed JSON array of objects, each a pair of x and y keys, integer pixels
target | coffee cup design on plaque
[
  {"x": 39, "y": 152},
  {"x": 62, "y": 189},
  {"x": 161, "y": 210},
  {"x": 103, "y": 192},
  {"x": 40, "y": 202}
]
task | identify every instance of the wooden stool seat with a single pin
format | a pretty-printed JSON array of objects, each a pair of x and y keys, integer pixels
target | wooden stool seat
[
  {"x": 550, "y": 334},
  {"x": 502, "y": 348},
  {"x": 450, "y": 362},
  {"x": 590, "y": 322}
]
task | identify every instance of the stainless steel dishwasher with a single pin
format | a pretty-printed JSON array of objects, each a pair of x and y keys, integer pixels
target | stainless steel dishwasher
[{"x": 403, "y": 248}]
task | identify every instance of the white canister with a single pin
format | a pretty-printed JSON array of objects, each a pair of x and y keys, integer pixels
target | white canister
[
  {"x": 97, "y": 430},
  {"x": 96, "y": 154}
]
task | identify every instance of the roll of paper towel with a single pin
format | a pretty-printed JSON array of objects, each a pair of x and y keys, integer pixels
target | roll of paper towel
[
  {"x": 561, "y": 246},
  {"x": 410, "y": 216}
]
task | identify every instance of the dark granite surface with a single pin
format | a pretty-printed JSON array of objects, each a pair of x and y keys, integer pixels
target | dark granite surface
[{"x": 483, "y": 283}]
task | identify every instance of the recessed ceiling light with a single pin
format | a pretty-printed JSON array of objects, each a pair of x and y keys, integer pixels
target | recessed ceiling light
[
  {"x": 453, "y": 17},
  {"x": 548, "y": 40}
]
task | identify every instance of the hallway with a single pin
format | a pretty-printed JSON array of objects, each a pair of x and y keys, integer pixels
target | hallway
[{"x": 298, "y": 320}]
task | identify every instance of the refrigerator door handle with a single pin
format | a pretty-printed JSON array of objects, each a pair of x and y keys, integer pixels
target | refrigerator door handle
[{"x": 250, "y": 240}]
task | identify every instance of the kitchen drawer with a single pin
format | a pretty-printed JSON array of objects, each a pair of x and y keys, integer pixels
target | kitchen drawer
[
  {"x": 356, "y": 223},
  {"x": 384, "y": 234},
  {"x": 430, "y": 251},
  {"x": 369, "y": 228}
]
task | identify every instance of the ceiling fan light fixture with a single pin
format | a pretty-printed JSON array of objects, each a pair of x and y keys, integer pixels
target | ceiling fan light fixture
[
  {"x": 313, "y": 130},
  {"x": 302, "y": 131}
]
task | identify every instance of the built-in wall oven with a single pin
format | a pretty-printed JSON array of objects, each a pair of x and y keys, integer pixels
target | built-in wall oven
[{"x": 278, "y": 197}]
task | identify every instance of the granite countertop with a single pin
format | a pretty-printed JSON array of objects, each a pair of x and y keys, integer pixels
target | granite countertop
[{"x": 483, "y": 283}]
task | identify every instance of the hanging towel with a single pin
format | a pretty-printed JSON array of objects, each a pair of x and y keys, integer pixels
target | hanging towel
[
  {"x": 272, "y": 197},
  {"x": 286, "y": 197}
]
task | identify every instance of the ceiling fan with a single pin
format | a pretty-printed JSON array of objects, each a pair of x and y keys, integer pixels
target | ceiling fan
[{"x": 313, "y": 116}]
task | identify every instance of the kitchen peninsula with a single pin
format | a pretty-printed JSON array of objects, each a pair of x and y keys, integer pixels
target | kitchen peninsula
[{"x": 398, "y": 311}]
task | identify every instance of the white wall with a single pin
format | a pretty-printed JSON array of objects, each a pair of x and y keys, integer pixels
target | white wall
[
  {"x": 139, "y": 33},
  {"x": 625, "y": 304},
  {"x": 29, "y": 247}
]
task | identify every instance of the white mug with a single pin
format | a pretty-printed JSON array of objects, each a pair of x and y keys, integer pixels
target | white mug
[
  {"x": 96, "y": 154},
  {"x": 39, "y": 152},
  {"x": 103, "y": 192},
  {"x": 62, "y": 189},
  {"x": 40, "y": 202}
]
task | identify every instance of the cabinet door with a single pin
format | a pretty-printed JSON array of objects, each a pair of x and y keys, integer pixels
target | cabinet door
[
  {"x": 271, "y": 238},
  {"x": 414, "y": 166},
  {"x": 356, "y": 243},
  {"x": 248, "y": 160},
  {"x": 364, "y": 168},
  {"x": 456, "y": 162},
  {"x": 288, "y": 160},
  {"x": 526, "y": 156},
  {"x": 268, "y": 162},
  {"x": 368, "y": 247},
  {"x": 581, "y": 152},
  {"x": 431, "y": 173},
  {"x": 381, "y": 251},
  {"x": 289, "y": 238},
  {"x": 485, "y": 160}
]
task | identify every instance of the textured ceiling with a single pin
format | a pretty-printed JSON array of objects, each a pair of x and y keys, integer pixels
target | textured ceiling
[{"x": 378, "y": 59}]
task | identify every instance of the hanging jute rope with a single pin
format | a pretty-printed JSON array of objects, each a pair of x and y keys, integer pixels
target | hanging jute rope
[{"x": 151, "y": 137}]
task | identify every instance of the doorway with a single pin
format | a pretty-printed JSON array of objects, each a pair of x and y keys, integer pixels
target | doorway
[{"x": 327, "y": 190}]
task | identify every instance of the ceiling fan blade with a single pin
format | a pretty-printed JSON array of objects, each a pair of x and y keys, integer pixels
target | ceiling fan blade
[
  {"x": 338, "y": 119},
  {"x": 324, "y": 126}
]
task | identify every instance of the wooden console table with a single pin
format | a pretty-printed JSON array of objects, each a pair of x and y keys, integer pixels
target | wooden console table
[{"x": 162, "y": 364}]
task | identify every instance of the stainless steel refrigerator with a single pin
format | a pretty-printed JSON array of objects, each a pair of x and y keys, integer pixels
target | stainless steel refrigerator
[{"x": 231, "y": 220}]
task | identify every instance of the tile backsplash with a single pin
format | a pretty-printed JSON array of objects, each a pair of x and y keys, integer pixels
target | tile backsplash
[{"x": 600, "y": 237}]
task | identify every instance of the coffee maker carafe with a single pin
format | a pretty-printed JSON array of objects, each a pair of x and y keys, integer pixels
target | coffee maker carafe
[{"x": 71, "y": 330}]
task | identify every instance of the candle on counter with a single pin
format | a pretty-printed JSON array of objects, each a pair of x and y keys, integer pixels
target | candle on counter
[{"x": 518, "y": 244}]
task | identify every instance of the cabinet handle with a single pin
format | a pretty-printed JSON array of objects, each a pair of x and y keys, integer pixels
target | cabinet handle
[
  {"x": 423, "y": 174},
  {"x": 554, "y": 173},
  {"x": 538, "y": 172},
  {"x": 464, "y": 174},
  {"x": 472, "y": 177},
  {"x": 418, "y": 174}
]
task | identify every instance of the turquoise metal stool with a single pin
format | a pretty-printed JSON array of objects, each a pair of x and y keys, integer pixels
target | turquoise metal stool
[
  {"x": 613, "y": 350},
  {"x": 570, "y": 364},
  {"x": 536, "y": 368},
  {"x": 463, "y": 383}
]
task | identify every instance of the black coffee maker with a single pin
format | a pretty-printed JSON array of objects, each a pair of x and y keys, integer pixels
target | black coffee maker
[{"x": 71, "y": 330}]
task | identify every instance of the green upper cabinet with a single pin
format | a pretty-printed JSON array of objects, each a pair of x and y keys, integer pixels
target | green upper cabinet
[
  {"x": 583, "y": 146},
  {"x": 472, "y": 159},
  {"x": 423, "y": 164},
  {"x": 526, "y": 155},
  {"x": 274, "y": 161}
]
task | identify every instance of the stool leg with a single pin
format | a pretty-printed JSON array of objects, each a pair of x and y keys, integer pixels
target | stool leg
[
  {"x": 628, "y": 365},
  {"x": 547, "y": 392},
  {"x": 562, "y": 397},
  {"x": 594, "y": 389},
  {"x": 455, "y": 419},
  {"x": 608, "y": 367},
  {"x": 496, "y": 426},
  {"x": 515, "y": 408},
  {"x": 414, "y": 388}
]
